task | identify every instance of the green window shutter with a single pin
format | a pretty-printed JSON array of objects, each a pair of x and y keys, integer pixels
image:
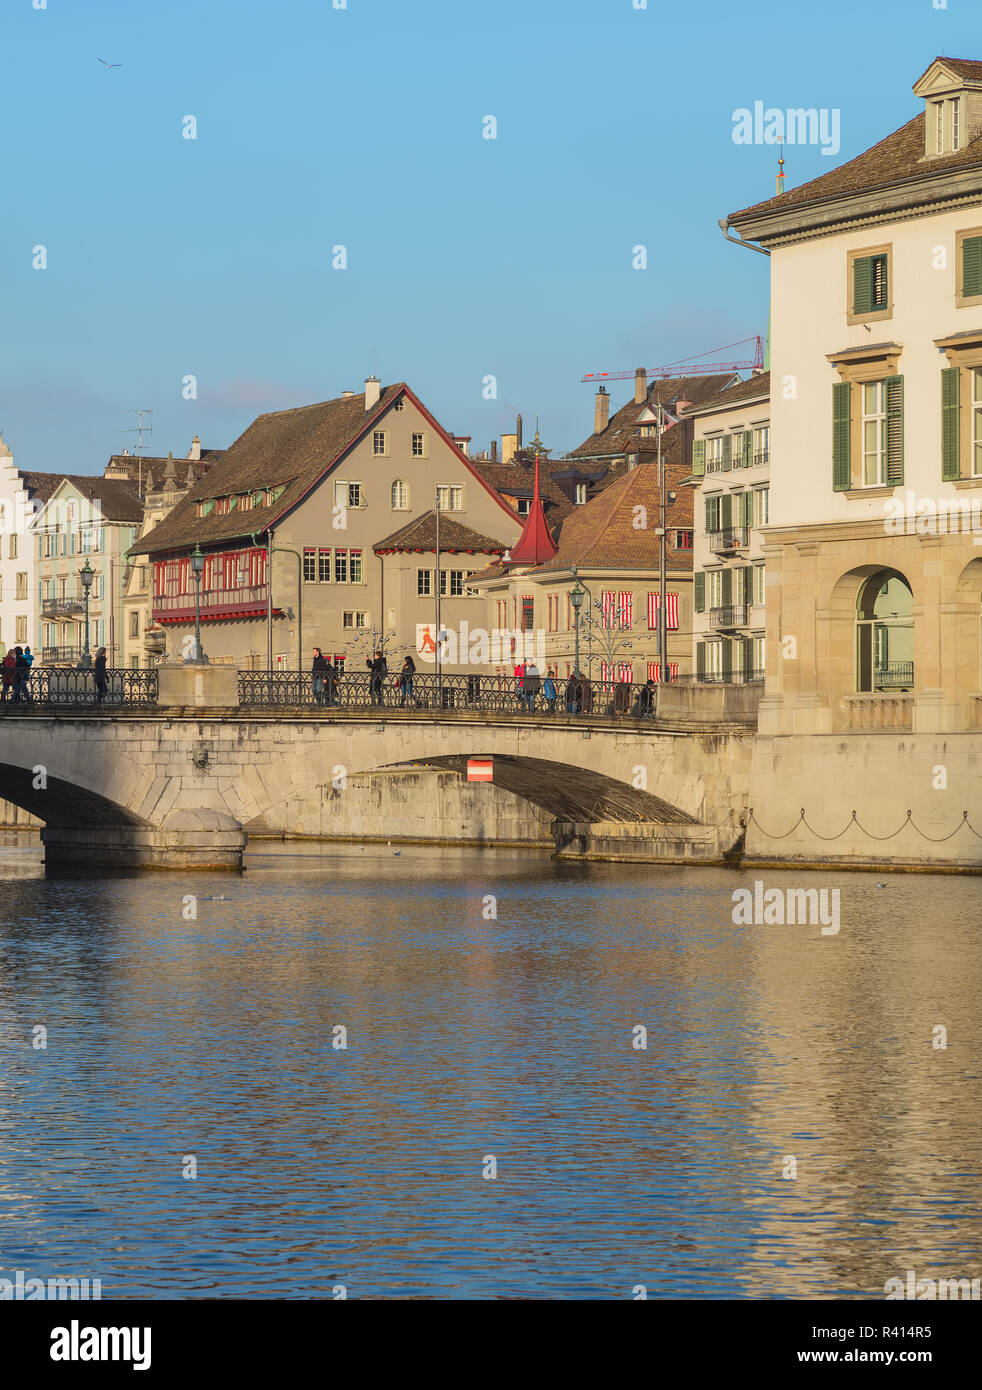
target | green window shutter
[
  {"x": 862, "y": 285},
  {"x": 748, "y": 585},
  {"x": 895, "y": 429},
  {"x": 841, "y": 425},
  {"x": 746, "y": 509},
  {"x": 748, "y": 448},
  {"x": 971, "y": 266},
  {"x": 727, "y": 661},
  {"x": 726, "y": 585},
  {"x": 700, "y": 658},
  {"x": 748, "y": 655},
  {"x": 712, "y": 515},
  {"x": 726, "y": 521},
  {"x": 950, "y": 423},
  {"x": 699, "y": 459},
  {"x": 699, "y": 591},
  {"x": 727, "y": 452}
]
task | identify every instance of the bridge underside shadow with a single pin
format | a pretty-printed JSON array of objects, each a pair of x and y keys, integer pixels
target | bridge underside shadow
[
  {"x": 59, "y": 803},
  {"x": 572, "y": 793}
]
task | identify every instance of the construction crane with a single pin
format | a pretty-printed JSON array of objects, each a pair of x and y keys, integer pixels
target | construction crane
[{"x": 680, "y": 368}]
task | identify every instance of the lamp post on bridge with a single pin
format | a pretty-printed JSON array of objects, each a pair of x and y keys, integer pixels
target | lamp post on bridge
[
  {"x": 86, "y": 574},
  {"x": 197, "y": 569},
  {"x": 576, "y": 597}
]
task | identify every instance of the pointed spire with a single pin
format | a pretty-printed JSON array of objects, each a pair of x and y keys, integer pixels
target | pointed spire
[
  {"x": 170, "y": 473},
  {"x": 780, "y": 170},
  {"x": 535, "y": 545}
]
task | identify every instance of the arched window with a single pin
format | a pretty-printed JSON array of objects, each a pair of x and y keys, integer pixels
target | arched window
[
  {"x": 885, "y": 633},
  {"x": 400, "y": 495}
]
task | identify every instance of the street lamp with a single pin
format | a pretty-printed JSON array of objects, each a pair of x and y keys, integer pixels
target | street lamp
[
  {"x": 197, "y": 569},
  {"x": 86, "y": 574},
  {"x": 576, "y": 597}
]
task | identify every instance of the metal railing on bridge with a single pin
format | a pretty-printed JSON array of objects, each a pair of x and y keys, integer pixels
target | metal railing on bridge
[
  {"x": 466, "y": 694},
  {"x": 57, "y": 687}
]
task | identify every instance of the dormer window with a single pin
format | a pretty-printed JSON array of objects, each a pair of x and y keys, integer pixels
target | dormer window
[
  {"x": 952, "y": 110},
  {"x": 579, "y": 494}
]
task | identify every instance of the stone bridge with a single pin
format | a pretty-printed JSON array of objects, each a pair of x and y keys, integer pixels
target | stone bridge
[{"x": 183, "y": 787}]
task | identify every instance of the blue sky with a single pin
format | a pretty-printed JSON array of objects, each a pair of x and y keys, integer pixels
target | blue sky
[{"x": 362, "y": 127}]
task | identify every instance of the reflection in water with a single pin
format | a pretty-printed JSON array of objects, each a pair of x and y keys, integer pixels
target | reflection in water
[{"x": 470, "y": 1036}]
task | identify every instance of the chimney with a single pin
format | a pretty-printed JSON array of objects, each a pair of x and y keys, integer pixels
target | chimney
[
  {"x": 494, "y": 451},
  {"x": 601, "y": 411},
  {"x": 640, "y": 386},
  {"x": 195, "y": 448},
  {"x": 509, "y": 443},
  {"x": 347, "y": 395},
  {"x": 373, "y": 389},
  {"x": 518, "y": 431}
]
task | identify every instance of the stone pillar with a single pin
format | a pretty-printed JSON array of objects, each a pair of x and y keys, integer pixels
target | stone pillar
[
  {"x": 183, "y": 685},
  {"x": 185, "y": 840}
]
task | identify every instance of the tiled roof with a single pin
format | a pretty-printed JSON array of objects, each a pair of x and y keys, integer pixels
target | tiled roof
[
  {"x": 454, "y": 535},
  {"x": 41, "y": 485},
  {"x": 900, "y": 156},
  {"x": 515, "y": 479},
  {"x": 622, "y": 426},
  {"x": 148, "y": 471},
  {"x": 604, "y": 534},
  {"x": 116, "y": 500},
  {"x": 292, "y": 449},
  {"x": 969, "y": 68},
  {"x": 748, "y": 390}
]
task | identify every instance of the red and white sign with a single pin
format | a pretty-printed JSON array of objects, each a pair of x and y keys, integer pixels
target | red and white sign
[{"x": 480, "y": 769}]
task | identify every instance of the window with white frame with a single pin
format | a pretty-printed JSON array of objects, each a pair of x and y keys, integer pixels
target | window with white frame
[
  {"x": 955, "y": 127},
  {"x": 399, "y": 495},
  {"x": 419, "y": 446},
  {"x": 424, "y": 583},
  {"x": 450, "y": 497},
  {"x": 977, "y": 422},
  {"x": 938, "y": 127},
  {"x": 759, "y": 655},
  {"x": 758, "y": 589},
  {"x": 874, "y": 435},
  {"x": 762, "y": 445},
  {"x": 715, "y": 587},
  {"x": 762, "y": 508},
  {"x": 714, "y": 659},
  {"x": 714, "y": 454},
  {"x": 347, "y": 494},
  {"x": 380, "y": 443},
  {"x": 452, "y": 583},
  {"x": 579, "y": 494},
  {"x": 354, "y": 618}
]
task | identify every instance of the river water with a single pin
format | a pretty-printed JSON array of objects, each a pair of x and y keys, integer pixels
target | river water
[{"x": 471, "y": 1037}]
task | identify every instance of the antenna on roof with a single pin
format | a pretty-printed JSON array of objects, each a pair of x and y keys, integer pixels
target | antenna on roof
[
  {"x": 141, "y": 429},
  {"x": 780, "y": 167}
]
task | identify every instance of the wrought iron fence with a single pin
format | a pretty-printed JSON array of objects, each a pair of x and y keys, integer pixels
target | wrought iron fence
[
  {"x": 894, "y": 675},
  {"x": 55, "y": 686}
]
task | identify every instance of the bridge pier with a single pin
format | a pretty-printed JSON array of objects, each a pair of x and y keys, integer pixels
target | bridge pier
[{"x": 186, "y": 840}]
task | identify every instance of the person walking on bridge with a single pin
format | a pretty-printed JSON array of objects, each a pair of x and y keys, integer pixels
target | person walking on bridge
[
  {"x": 318, "y": 671},
  {"x": 406, "y": 680},
  {"x": 101, "y": 680}
]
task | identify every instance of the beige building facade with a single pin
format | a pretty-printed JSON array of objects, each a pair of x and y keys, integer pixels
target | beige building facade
[{"x": 731, "y": 475}]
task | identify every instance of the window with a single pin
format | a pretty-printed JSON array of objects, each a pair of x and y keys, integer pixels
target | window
[
  {"x": 450, "y": 498},
  {"x": 714, "y": 515},
  {"x": 309, "y": 566},
  {"x": 968, "y": 262},
  {"x": 355, "y": 557},
  {"x": 424, "y": 583},
  {"x": 340, "y": 567},
  {"x": 223, "y": 506},
  {"x": 354, "y": 619},
  {"x": 762, "y": 445},
  {"x": 455, "y": 580},
  {"x": 758, "y": 585},
  {"x": 21, "y": 630},
  {"x": 714, "y": 454},
  {"x": 671, "y": 611},
  {"x": 885, "y": 633},
  {"x": 324, "y": 566},
  {"x": 874, "y": 422},
  {"x": 524, "y": 506},
  {"x": 762, "y": 509},
  {"x": 977, "y": 422},
  {"x": 954, "y": 105},
  {"x": 380, "y": 443},
  {"x": 13, "y": 546},
  {"x": 682, "y": 540},
  {"x": 528, "y": 612},
  {"x": 134, "y": 623},
  {"x": 21, "y": 582},
  {"x": 938, "y": 127},
  {"x": 579, "y": 494},
  {"x": 419, "y": 446},
  {"x": 758, "y": 650},
  {"x": 715, "y": 578},
  {"x": 400, "y": 404},
  {"x": 245, "y": 502},
  {"x": 869, "y": 284},
  {"x": 399, "y": 495},
  {"x": 348, "y": 495}
]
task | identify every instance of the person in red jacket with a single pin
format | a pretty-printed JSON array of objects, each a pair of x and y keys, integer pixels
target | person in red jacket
[{"x": 9, "y": 675}]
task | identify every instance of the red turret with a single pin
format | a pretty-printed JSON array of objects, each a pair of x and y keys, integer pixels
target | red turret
[{"x": 535, "y": 545}]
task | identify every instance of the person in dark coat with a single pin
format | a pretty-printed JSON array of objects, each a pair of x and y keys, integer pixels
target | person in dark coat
[
  {"x": 406, "y": 680},
  {"x": 622, "y": 697},
  {"x": 101, "y": 680},
  {"x": 379, "y": 669},
  {"x": 332, "y": 674},
  {"x": 318, "y": 670},
  {"x": 22, "y": 669},
  {"x": 531, "y": 685},
  {"x": 573, "y": 694},
  {"x": 646, "y": 700},
  {"x": 586, "y": 696}
]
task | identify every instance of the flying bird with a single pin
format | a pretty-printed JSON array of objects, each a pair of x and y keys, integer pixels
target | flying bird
[{"x": 107, "y": 66}]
